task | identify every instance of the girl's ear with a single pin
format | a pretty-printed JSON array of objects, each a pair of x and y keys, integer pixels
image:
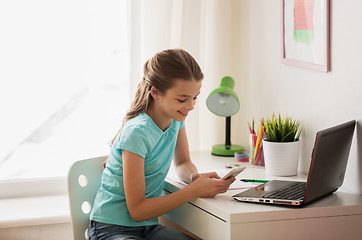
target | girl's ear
[{"x": 154, "y": 93}]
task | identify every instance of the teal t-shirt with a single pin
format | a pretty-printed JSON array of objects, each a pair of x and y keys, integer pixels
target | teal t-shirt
[{"x": 142, "y": 136}]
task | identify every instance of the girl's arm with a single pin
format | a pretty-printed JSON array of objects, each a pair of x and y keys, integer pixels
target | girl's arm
[
  {"x": 138, "y": 206},
  {"x": 185, "y": 169}
]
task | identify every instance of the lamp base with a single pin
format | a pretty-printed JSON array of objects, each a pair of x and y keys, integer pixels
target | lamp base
[{"x": 226, "y": 150}]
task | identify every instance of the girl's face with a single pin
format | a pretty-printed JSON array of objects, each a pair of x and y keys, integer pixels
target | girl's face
[{"x": 179, "y": 100}]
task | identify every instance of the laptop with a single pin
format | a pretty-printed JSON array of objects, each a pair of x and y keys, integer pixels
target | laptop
[{"x": 326, "y": 172}]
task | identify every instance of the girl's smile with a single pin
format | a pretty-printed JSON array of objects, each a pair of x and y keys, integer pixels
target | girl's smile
[{"x": 183, "y": 114}]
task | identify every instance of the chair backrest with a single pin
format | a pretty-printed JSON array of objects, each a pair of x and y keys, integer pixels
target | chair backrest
[{"x": 84, "y": 180}]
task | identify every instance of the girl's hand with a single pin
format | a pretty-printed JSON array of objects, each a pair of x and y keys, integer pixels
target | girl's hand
[
  {"x": 209, "y": 184},
  {"x": 210, "y": 174}
]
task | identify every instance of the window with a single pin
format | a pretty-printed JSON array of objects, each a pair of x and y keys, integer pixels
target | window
[{"x": 64, "y": 83}]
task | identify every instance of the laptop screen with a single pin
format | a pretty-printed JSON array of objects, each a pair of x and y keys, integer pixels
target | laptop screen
[{"x": 329, "y": 160}]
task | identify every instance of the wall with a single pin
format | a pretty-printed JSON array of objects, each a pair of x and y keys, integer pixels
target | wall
[{"x": 320, "y": 100}]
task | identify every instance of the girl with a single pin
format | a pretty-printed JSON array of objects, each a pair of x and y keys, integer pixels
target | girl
[{"x": 130, "y": 197}]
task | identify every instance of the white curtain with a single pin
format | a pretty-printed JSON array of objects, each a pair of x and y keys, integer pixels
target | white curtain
[{"x": 201, "y": 27}]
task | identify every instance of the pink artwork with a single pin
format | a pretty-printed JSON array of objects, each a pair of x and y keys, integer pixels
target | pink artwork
[
  {"x": 305, "y": 34},
  {"x": 303, "y": 21}
]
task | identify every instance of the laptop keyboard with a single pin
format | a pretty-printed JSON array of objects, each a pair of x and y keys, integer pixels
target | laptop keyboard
[{"x": 292, "y": 192}]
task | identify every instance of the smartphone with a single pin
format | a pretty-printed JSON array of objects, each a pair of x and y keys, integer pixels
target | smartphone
[{"x": 233, "y": 172}]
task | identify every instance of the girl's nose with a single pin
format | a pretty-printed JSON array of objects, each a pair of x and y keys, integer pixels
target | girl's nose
[{"x": 191, "y": 104}]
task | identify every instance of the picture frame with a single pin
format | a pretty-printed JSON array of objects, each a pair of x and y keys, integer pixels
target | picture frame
[{"x": 305, "y": 34}]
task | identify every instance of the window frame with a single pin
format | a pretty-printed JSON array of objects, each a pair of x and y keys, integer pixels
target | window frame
[{"x": 16, "y": 188}]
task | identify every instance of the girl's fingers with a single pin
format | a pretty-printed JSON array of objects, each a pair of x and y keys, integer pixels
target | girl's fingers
[
  {"x": 230, "y": 180},
  {"x": 212, "y": 175}
]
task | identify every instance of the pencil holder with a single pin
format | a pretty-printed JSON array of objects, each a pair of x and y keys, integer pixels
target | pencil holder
[{"x": 256, "y": 151}]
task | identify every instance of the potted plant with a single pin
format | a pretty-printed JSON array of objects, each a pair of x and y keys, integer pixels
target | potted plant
[{"x": 281, "y": 145}]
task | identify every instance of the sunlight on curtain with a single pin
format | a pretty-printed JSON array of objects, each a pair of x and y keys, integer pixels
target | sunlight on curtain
[
  {"x": 64, "y": 87},
  {"x": 64, "y": 83}
]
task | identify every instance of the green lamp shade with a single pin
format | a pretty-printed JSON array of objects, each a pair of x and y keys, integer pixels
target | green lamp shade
[{"x": 223, "y": 101}]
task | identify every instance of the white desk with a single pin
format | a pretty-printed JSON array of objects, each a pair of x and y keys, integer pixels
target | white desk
[{"x": 338, "y": 216}]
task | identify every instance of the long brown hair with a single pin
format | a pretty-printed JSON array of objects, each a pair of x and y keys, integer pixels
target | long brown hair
[{"x": 160, "y": 72}]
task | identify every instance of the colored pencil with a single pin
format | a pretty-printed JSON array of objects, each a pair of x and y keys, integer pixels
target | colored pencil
[{"x": 258, "y": 140}]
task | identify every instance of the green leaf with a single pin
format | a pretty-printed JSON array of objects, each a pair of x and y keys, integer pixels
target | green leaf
[{"x": 282, "y": 129}]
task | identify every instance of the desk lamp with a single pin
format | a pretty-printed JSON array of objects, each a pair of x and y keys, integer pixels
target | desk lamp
[{"x": 224, "y": 102}]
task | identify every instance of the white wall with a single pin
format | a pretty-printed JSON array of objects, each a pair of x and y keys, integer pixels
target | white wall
[{"x": 320, "y": 100}]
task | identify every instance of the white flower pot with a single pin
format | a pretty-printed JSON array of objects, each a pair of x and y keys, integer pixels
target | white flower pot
[{"x": 281, "y": 158}]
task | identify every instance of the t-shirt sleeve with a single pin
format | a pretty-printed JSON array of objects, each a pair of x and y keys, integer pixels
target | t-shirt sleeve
[{"x": 134, "y": 139}]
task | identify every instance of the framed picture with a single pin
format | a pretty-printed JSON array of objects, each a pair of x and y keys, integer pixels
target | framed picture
[{"x": 305, "y": 33}]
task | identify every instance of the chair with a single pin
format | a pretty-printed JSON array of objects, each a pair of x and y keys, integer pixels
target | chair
[{"x": 84, "y": 180}]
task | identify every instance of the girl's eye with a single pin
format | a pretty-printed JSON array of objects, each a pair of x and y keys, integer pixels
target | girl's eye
[{"x": 182, "y": 101}]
